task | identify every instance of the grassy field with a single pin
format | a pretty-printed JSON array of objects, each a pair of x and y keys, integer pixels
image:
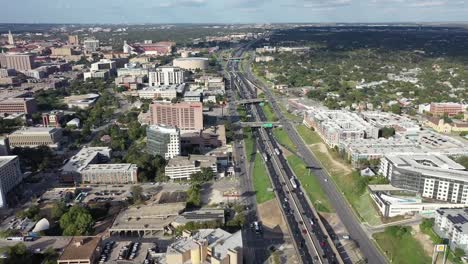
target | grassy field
[
  {"x": 289, "y": 115},
  {"x": 310, "y": 183},
  {"x": 248, "y": 141},
  {"x": 309, "y": 136},
  {"x": 284, "y": 139},
  {"x": 261, "y": 181},
  {"x": 269, "y": 114},
  {"x": 401, "y": 247}
]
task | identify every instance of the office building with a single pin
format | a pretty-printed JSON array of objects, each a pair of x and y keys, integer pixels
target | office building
[
  {"x": 191, "y": 64},
  {"x": 433, "y": 176},
  {"x": 73, "y": 40},
  {"x": 162, "y": 91},
  {"x": 166, "y": 75},
  {"x": 206, "y": 246},
  {"x": 10, "y": 176},
  {"x": 188, "y": 117},
  {"x": 36, "y": 136},
  {"x": 104, "y": 64},
  {"x": 132, "y": 69},
  {"x": 91, "y": 45},
  {"x": 182, "y": 167},
  {"x": 81, "y": 250},
  {"x": 192, "y": 96},
  {"x": 62, "y": 51},
  {"x": 102, "y": 74},
  {"x": 452, "y": 224},
  {"x": 19, "y": 62},
  {"x": 121, "y": 173},
  {"x": 18, "y": 105},
  {"x": 163, "y": 141},
  {"x": 11, "y": 41},
  {"x": 450, "y": 109},
  {"x": 205, "y": 140},
  {"x": 337, "y": 126},
  {"x": 90, "y": 165}
]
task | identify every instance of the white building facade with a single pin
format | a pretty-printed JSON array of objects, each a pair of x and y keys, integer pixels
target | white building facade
[
  {"x": 166, "y": 75},
  {"x": 10, "y": 176}
]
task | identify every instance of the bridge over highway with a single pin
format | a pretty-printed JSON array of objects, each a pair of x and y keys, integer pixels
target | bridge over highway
[
  {"x": 260, "y": 124},
  {"x": 250, "y": 101}
]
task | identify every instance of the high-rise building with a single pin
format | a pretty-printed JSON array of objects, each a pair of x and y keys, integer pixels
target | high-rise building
[
  {"x": 73, "y": 40},
  {"x": 163, "y": 141},
  {"x": 19, "y": 62},
  {"x": 91, "y": 45},
  {"x": 10, "y": 176},
  {"x": 187, "y": 116},
  {"x": 166, "y": 75},
  {"x": 11, "y": 41}
]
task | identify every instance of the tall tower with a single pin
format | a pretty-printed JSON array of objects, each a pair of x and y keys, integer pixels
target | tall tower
[{"x": 11, "y": 41}]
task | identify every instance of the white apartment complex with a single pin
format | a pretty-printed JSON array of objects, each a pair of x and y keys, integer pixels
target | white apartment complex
[
  {"x": 433, "y": 176},
  {"x": 452, "y": 224},
  {"x": 182, "y": 167},
  {"x": 10, "y": 176},
  {"x": 166, "y": 75},
  {"x": 337, "y": 126}
]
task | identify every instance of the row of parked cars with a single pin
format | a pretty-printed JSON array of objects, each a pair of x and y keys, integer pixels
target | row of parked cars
[
  {"x": 105, "y": 254},
  {"x": 130, "y": 251}
]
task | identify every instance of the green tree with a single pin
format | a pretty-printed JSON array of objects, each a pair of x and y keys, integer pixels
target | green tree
[
  {"x": 58, "y": 209},
  {"x": 18, "y": 253},
  {"x": 205, "y": 175},
  {"x": 396, "y": 109},
  {"x": 137, "y": 194},
  {"x": 77, "y": 222}
]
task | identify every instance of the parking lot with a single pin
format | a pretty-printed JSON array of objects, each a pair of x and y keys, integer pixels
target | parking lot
[{"x": 124, "y": 252}]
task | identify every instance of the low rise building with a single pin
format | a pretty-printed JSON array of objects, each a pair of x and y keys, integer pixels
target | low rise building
[
  {"x": 439, "y": 125},
  {"x": 52, "y": 119},
  {"x": 207, "y": 246},
  {"x": 192, "y": 96},
  {"x": 205, "y": 140},
  {"x": 81, "y": 101},
  {"x": 18, "y": 105},
  {"x": 450, "y": 109},
  {"x": 10, "y": 177},
  {"x": 161, "y": 91},
  {"x": 90, "y": 165},
  {"x": 191, "y": 64},
  {"x": 101, "y": 74},
  {"x": 81, "y": 250},
  {"x": 36, "y": 136},
  {"x": 452, "y": 224},
  {"x": 182, "y": 167}
]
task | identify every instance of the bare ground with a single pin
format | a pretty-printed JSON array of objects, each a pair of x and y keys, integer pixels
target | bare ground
[{"x": 271, "y": 217}]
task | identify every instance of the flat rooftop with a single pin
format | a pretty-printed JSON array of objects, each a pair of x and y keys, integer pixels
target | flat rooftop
[
  {"x": 204, "y": 161},
  {"x": 80, "y": 248},
  {"x": 85, "y": 156},
  {"x": 5, "y": 159},
  {"x": 35, "y": 130}
]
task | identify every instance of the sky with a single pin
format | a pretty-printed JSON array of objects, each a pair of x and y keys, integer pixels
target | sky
[{"x": 231, "y": 11}]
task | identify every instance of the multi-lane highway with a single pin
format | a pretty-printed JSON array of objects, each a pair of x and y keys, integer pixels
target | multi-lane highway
[
  {"x": 345, "y": 213},
  {"x": 310, "y": 236}
]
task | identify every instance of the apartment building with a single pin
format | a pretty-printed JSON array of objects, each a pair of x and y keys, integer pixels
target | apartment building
[
  {"x": 337, "y": 126},
  {"x": 182, "y": 167},
  {"x": 36, "y": 136},
  {"x": 18, "y": 106},
  {"x": 163, "y": 141},
  {"x": 206, "y": 246},
  {"x": 187, "y": 116},
  {"x": 166, "y": 75},
  {"x": 452, "y": 224},
  {"x": 435, "y": 177},
  {"x": 450, "y": 109},
  {"x": 10, "y": 176}
]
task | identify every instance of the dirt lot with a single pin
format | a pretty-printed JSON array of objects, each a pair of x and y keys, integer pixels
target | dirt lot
[
  {"x": 271, "y": 217},
  {"x": 426, "y": 242}
]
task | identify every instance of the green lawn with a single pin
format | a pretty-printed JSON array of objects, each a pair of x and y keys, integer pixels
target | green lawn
[
  {"x": 261, "y": 181},
  {"x": 284, "y": 139},
  {"x": 310, "y": 183},
  {"x": 248, "y": 141},
  {"x": 289, "y": 115},
  {"x": 401, "y": 247},
  {"x": 309, "y": 136},
  {"x": 269, "y": 114}
]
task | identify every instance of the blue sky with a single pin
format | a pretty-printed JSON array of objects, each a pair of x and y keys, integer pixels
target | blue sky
[{"x": 231, "y": 11}]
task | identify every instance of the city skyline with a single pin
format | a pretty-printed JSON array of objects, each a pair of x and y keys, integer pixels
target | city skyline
[{"x": 235, "y": 11}]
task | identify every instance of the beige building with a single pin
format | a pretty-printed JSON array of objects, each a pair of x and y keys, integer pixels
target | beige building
[
  {"x": 81, "y": 250},
  {"x": 73, "y": 40},
  {"x": 191, "y": 64},
  {"x": 187, "y": 116},
  {"x": 214, "y": 246},
  {"x": 182, "y": 167},
  {"x": 18, "y": 105},
  {"x": 440, "y": 126},
  {"x": 121, "y": 173},
  {"x": 35, "y": 137},
  {"x": 10, "y": 176},
  {"x": 62, "y": 51},
  {"x": 19, "y": 62}
]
